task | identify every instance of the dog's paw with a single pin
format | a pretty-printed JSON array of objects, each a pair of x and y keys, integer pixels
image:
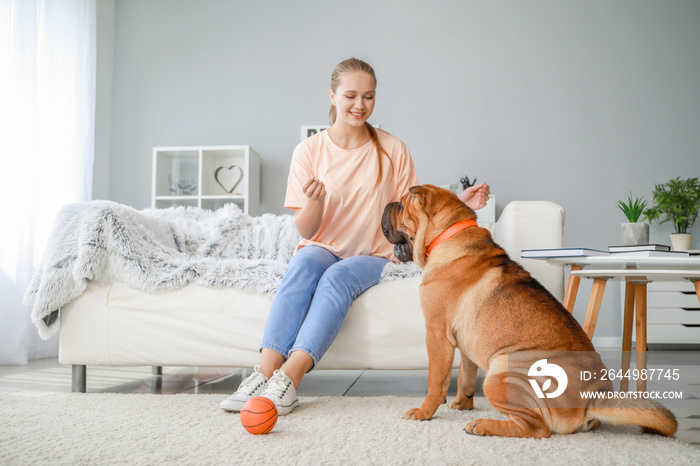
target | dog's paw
[
  {"x": 416, "y": 415},
  {"x": 473, "y": 428},
  {"x": 467, "y": 404}
]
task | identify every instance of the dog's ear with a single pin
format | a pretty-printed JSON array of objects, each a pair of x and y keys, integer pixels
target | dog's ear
[
  {"x": 403, "y": 249},
  {"x": 389, "y": 228},
  {"x": 419, "y": 193}
]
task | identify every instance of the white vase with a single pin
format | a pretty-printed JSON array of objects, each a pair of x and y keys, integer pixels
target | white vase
[
  {"x": 634, "y": 234},
  {"x": 681, "y": 241}
]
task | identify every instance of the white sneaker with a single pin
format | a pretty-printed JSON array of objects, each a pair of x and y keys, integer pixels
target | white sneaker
[
  {"x": 252, "y": 386},
  {"x": 280, "y": 390}
]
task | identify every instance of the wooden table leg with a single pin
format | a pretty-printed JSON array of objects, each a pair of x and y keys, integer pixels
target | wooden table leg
[
  {"x": 594, "y": 306},
  {"x": 572, "y": 289},
  {"x": 697, "y": 289},
  {"x": 627, "y": 323},
  {"x": 640, "y": 297}
]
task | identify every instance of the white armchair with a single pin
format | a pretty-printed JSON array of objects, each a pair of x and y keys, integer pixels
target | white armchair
[{"x": 533, "y": 225}]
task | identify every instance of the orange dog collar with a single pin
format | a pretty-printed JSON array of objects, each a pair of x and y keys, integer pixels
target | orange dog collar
[{"x": 449, "y": 233}]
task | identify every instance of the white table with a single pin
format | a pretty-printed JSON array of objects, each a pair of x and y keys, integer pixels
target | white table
[{"x": 637, "y": 272}]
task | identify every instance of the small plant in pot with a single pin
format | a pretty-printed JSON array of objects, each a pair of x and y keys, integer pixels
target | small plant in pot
[
  {"x": 679, "y": 202},
  {"x": 634, "y": 232}
]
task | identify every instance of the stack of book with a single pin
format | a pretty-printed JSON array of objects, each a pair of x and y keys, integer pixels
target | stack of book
[
  {"x": 562, "y": 252},
  {"x": 646, "y": 250}
]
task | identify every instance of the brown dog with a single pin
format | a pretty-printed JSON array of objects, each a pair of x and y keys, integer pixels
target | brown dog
[{"x": 502, "y": 320}]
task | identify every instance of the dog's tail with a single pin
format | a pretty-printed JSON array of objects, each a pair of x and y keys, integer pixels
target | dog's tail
[{"x": 650, "y": 415}]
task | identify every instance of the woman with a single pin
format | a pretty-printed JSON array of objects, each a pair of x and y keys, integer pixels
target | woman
[{"x": 340, "y": 180}]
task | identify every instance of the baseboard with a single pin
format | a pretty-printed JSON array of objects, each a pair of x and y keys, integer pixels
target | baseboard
[{"x": 607, "y": 342}]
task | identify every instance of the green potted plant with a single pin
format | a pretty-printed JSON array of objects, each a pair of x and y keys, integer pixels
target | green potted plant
[
  {"x": 634, "y": 232},
  {"x": 679, "y": 202}
]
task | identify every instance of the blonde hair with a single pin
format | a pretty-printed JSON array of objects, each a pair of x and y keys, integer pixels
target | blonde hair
[{"x": 349, "y": 66}]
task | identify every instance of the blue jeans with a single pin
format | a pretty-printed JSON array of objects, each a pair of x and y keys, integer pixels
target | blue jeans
[{"x": 313, "y": 299}]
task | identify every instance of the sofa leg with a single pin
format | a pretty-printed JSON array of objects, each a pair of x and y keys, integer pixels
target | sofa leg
[
  {"x": 157, "y": 379},
  {"x": 79, "y": 382}
]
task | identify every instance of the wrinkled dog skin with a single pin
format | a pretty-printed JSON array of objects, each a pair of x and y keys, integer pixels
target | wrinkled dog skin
[{"x": 476, "y": 299}]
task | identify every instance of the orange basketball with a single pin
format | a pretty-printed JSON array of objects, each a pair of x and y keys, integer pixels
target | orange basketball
[{"x": 258, "y": 415}]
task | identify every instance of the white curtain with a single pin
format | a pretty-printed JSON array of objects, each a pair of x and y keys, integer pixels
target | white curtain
[{"x": 47, "y": 114}]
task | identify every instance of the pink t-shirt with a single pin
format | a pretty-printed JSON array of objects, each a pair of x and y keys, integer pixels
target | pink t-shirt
[{"x": 353, "y": 207}]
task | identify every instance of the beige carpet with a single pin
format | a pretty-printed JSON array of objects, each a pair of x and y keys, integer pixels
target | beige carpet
[{"x": 42, "y": 428}]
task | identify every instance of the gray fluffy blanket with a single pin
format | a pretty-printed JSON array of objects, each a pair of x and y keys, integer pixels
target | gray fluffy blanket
[{"x": 158, "y": 250}]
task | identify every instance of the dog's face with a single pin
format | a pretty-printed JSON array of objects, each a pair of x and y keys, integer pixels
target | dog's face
[{"x": 414, "y": 222}]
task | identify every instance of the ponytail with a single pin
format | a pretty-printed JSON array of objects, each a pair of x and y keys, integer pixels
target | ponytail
[{"x": 380, "y": 149}]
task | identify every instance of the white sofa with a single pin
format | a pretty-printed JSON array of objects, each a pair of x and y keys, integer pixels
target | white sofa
[{"x": 111, "y": 324}]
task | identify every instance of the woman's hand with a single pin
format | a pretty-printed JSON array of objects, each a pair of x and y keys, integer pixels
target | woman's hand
[
  {"x": 308, "y": 218},
  {"x": 476, "y": 196},
  {"x": 314, "y": 189}
]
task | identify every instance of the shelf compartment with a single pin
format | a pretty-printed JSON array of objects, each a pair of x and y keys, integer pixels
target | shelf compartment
[
  {"x": 233, "y": 171},
  {"x": 176, "y": 172}
]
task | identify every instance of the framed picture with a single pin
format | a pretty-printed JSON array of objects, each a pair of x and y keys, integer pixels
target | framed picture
[{"x": 307, "y": 131}]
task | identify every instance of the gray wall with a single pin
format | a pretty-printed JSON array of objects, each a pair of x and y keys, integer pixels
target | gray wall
[
  {"x": 577, "y": 102},
  {"x": 103, "y": 98}
]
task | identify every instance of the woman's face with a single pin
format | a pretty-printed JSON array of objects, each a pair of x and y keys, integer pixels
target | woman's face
[{"x": 354, "y": 98}]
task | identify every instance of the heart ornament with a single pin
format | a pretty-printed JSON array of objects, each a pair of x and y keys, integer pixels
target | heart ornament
[{"x": 229, "y": 177}]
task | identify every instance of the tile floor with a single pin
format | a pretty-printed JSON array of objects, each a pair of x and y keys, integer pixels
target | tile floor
[{"x": 47, "y": 375}]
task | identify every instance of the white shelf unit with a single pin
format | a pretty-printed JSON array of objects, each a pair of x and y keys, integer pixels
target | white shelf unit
[
  {"x": 673, "y": 313},
  {"x": 185, "y": 176}
]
